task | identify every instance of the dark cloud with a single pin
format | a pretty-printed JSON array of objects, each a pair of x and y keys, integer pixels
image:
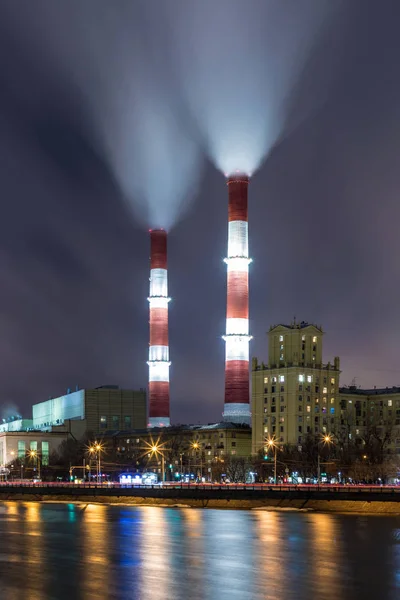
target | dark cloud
[{"x": 74, "y": 261}]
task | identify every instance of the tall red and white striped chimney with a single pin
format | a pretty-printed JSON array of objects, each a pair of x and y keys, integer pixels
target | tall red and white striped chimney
[
  {"x": 237, "y": 396},
  {"x": 158, "y": 350}
]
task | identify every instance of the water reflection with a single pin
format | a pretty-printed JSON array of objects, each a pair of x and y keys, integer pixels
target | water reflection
[
  {"x": 97, "y": 552},
  {"x": 155, "y": 580},
  {"x": 327, "y": 562},
  {"x": 34, "y": 560},
  {"x": 95, "y": 561},
  {"x": 229, "y": 555}
]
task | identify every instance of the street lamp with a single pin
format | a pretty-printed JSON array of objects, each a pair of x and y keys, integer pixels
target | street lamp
[
  {"x": 195, "y": 446},
  {"x": 327, "y": 439},
  {"x": 273, "y": 444},
  {"x": 157, "y": 450},
  {"x": 34, "y": 454},
  {"x": 96, "y": 449}
]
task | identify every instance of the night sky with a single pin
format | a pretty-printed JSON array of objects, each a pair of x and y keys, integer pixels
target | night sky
[{"x": 83, "y": 169}]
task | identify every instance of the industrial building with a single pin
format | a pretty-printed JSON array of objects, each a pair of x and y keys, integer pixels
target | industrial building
[
  {"x": 17, "y": 445},
  {"x": 295, "y": 393},
  {"x": 16, "y": 424},
  {"x": 96, "y": 410}
]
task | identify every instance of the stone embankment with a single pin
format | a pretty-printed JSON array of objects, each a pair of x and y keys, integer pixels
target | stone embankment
[{"x": 351, "y": 500}]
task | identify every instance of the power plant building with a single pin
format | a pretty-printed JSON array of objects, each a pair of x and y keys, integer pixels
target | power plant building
[{"x": 95, "y": 410}]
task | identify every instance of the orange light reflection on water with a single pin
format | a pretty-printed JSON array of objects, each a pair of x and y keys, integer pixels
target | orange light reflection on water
[
  {"x": 155, "y": 555},
  {"x": 96, "y": 549},
  {"x": 34, "y": 560},
  {"x": 326, "y": 550}
]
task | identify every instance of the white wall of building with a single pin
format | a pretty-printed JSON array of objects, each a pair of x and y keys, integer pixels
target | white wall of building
[{"x": 57, "y": 410}]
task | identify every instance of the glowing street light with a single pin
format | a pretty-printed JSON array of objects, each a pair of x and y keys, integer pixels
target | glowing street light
[
  {"x": 96, "y": 449},
  {"x": 272, "y": 444},
  {"x": 196, "y": 446},
  {"x": 34, "y": 454},
  {"x": 156, "y": 449},
  {"x": 326, "y": 440}
]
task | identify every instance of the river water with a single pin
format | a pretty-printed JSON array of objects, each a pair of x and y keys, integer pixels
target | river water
[{"x": 99, "y": 552}]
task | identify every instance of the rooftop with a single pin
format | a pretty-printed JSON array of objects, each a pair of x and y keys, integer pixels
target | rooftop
[
  {"x": 176, "y": 429},
  {"x": 352, "y": 389},
  {"x": 295, "y": 325}
]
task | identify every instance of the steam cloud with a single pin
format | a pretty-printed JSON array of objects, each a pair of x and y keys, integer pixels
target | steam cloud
[
  {"x": 117, "y": 55},
  {"x": 164, "y": 79},
  {"x": 238, "y": 62}
]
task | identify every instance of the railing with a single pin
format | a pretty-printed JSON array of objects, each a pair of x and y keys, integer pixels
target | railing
[{"x": 329, "y": 488}]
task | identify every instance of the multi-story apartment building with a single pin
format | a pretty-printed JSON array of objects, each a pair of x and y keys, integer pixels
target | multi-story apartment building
[
  {"x": 295, "y": 393},
  {"x": 366, "y": 412}
]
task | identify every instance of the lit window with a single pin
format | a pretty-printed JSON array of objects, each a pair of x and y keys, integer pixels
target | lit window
[
  {"x": 45, "y": 453},
  {"x": 265, "y": 379},
  {"x": 309, "y": 378},
  {"x": 332, "y": 411},
  {"x": 303, "y": 338},
  {"x": 314, "y": 339},
  {"x": 274, "y": 380},
  {"x": 21, "y": 449},
  {"x": 281, "y": 338},
  {"x": 265, "y": 429},
  {"x": 281, "y": 378},
  {"x": 301, "y": 378},
  {"x": 308, "y": 408},
  {"x": 324, "y": 429},
  {"x": 103, "y": 422},
  {"x": 325, "y": 390},
  {"x": 357, "y": 431},
  {"x": 281, "y": 357},
  {"x": 332, "y": 380},
  {"x": 350, "y": 401},
  {"x": 332, "y": 400},
  {"x": 313, "y": 357},
  {"x": 281, "y": 346},
  {"x": 390, "y": 402}
]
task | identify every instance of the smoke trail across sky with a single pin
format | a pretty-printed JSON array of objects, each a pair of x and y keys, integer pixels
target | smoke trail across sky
[
  {"x": 238, "y": 62},
  {"x": 119, "y": 60}
]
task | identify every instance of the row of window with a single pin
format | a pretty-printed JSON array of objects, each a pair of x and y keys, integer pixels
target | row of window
[
  {"x": 115, "y": 424},
  {"x": 303, "y": 338},
  {"x": 33, "y": 445},
  {"x": 302, "y": 379}
]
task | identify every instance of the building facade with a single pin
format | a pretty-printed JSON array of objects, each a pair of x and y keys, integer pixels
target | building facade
[
  {"x": 295, "y": 394},
  {"x": 16, "y": 445},
  {"x": 102, "y": 409},
  {"x": 193, "y": 447},
  {"x": 370, "y": 412},
  {"x": 16, "y": 424}
]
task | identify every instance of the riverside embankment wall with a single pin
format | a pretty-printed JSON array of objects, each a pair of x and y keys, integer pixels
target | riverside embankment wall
[{"x": 373, "y": 502}]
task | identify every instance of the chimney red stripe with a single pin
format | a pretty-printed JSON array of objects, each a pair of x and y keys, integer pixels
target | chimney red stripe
[
  {"x": 237, "y": 382},
  {"x": 159, "y": 398},
  {"x": 158, "y": 241},
  {"x": 238, "y": 295},
  {"x": 158, "y": 327},
  {"x": 237, "y": 208}
]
